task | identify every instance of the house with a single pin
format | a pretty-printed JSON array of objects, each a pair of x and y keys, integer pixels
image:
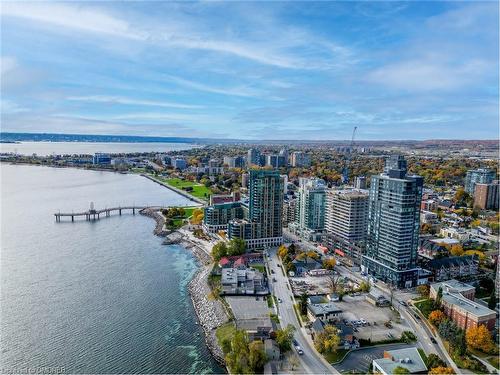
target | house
[
  {"x": 428, "y": 248},
  {"x": 243, "y": 280},
  {"x": 306, "y": 265},
  {"x": 458, "y": 304},
  {"x": 408, "y": 358},
  {"x": 456, "y": 233},
  {"x": 327, "y": 312},
  {"x": 256, "y": 328},
  {"x": 379, "y": 301},
  {"x": 272, "y": 350},
  {"x": 311, "y": 300},
  {"x": 451, "y": 267}
]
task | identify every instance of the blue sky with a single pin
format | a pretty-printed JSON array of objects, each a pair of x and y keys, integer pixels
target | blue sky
[{"x": 252, "y": 70}]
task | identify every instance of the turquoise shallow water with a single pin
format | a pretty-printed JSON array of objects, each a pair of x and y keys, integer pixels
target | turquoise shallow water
[{"x": 100, "y": 297}]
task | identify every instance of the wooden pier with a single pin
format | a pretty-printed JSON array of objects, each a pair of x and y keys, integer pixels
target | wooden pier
[{"x": 93, "y": 214}]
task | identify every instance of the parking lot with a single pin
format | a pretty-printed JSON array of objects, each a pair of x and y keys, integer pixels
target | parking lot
[
  {"x": 244, "y": 307},
  {"x": 358, "y": 308},
  {"x": 359, "y": 361}
]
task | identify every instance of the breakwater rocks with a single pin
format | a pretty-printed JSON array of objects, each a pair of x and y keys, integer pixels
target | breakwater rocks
[
  {"x": 210, "y": 312},
  {"x": 154, "y": 213}
]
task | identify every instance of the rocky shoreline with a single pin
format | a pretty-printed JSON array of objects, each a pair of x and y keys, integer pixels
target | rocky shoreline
[{"x": 210, "y": 312}]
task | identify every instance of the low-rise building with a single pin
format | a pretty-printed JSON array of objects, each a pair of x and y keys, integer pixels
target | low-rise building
[
  {"x": 408, "y": 358},
  {"x": 429, "y": 205},
  {"x": 458, "y": 304},
  {"x": 456, "y": 233},
  {"x": 101, "y": 158},
  {"x": 430, "y": 249},
  {"x": 327, "y": 312},
  {"x": 451, "y": 267},
  {"x": 256, "y": 328},
  {"x": 305, "y": 265},
  {"x": 242, "y": 280}
]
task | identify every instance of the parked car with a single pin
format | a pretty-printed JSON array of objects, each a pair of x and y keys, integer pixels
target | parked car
[
  {"x": 272, "y": 271},
  {"x": 433, "y": 340},
  {"x": 274, "y": 279},
  {"x": 403, "y": 303},
  {"x": 416, "y": 316}
]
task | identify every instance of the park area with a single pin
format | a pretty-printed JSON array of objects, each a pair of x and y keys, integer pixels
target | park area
[{"x": 193, "y": 188}]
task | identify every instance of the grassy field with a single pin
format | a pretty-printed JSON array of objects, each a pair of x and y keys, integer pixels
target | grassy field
[
  {"x": 199, "y": 190},
  {"x": 335, "y": 357},
  {"x": 225, "y": 331},
  {"x": 179, "y": 221}
]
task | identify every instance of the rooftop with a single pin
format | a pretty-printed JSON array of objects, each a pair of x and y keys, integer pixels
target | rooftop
[
  {"x": 452, "y": 285},
  {"x": 472, "y": 307},
  {"x": 408, "y": 358},
  {"x": 323, "y": 308}
]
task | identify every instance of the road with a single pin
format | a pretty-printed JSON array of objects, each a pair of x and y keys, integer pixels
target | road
[{"x": 311, "y": 360}]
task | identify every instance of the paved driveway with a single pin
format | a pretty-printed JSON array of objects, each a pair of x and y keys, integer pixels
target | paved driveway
[{"x": 359, "y": 360}]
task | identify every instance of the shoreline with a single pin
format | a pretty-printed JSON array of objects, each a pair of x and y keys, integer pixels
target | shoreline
[
  {"x": 183, "y": 193},
  {"x": 210, "y": 313}
]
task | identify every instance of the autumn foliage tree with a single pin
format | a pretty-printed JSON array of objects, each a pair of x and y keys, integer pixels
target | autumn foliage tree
[
  {"x": 479, "y": 338},
  {"x": 329, "y": 263},
  {"x": 436, "y": 317},
  {"x": 441, "y": 370},
  {"x": 423, "y": 290},
  {"x": 457, "y": 250},
  {"x": 328, "y": 340}
]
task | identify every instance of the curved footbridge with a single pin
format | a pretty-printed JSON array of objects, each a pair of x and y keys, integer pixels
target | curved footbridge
[{"x": 93, "y": 214}]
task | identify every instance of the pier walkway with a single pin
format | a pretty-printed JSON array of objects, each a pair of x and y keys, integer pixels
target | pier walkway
[{"x": 93, "y": 214}]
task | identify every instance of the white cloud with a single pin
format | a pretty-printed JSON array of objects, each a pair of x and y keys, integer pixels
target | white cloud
[
  {"x": 7, "y": 64},
  {"x": 429, "y": 75},
  {"x": 128, "y": 101},
  {"x": 71, "y": 17}
]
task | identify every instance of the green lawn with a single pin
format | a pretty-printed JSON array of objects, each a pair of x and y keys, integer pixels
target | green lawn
[
  {"x": 199, "y": 190},
  {"x": 179, "y": 221},
  {"x": 335, "y": 357},
  {"x": 425, "y": 306},
  {"x": 270, "y": 303},
  {"x": 225, "y": 331},
  {"x": 259, "y": 267}
]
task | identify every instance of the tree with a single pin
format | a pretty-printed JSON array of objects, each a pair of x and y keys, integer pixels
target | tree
[
  {"x": 441, "y": 370},
  {"x": 423, "y": 290},
  {"x": 400, "y": 370},
  {"x": 329, "y": 263},
  {"x": 436, "y": 317},
  {"x": 328, "y": 340},
  {"x": 257, "y": 356},
  {"x": 439, "y": 296},
  {"x": 282, "y": 251},
  {"x": 236, "y": 246},
  {"x": 219, "y": 250},
  {"x": 492, "y": 302},
  {"x": 434, "y": 361},
  {"x": 237, "y": 358},
  {"x": 284, "y": 338},
  {"x": 364, "y": 286},
  {"x": 479, "y": 338},
  {"x": 303, "y": 303},
  {"x": 197, "y": 216},
  {"x": 457, "y": 250}
]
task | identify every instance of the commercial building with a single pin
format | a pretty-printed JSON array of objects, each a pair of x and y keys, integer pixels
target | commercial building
[
  {"x": 276, "y": 160},
  {"x": 347, "y": 214},
  {"x": 310, "y": 209},
  {"x": 486, "y": 196},
  {"x": 262, "y": 223},
  {"x": 300, "y": 159},
  {"x": 254, "y": 157},
  {"x": 179, "y": 163},
  {"x": 429, "y": 205},
  {"x": 234, "y": 161},
  {"x": 458, "y": 304},
  {"x": 218, "y": 216},
  {"x": 326, "y": 312},
  {"x": 478, "y": 176},
  {"x": 289, "y": 211},
  {"x": 245, "y": 178},
  {"x": 408, "y": 358},
  {"x": 360, "y": 182},
  {"x": 394, "y": 225},
  {"x": 101, "y": 158}
]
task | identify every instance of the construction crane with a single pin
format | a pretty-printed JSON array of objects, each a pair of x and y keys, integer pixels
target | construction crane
[{"x": 345, "y": 172}]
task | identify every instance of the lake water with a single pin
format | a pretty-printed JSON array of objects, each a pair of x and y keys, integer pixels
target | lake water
[
  {"x": 99, "y": 297},
  {"x": 62, "y": 148}
]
